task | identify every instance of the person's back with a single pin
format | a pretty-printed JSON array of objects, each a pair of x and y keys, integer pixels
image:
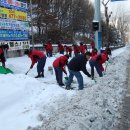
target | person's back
[
  {"x": 77, "y": 63},
  {"x": 60, "y": 62},
  {"x": 37, "y": 53},
  {"x": 49, "y": 46},
  {"x": 82, "y": 49},
  {"x": 101, "y": 58}
]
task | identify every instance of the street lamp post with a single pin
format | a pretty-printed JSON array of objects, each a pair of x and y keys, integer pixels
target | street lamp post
[
  {"x": 32, "y": 38},
  {"x": 97, "y": 17}
]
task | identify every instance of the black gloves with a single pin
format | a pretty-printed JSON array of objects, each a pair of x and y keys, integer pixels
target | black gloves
[
  {"x": 107, "y": 58},
  {"x": 31, "y": 66},
  {"x": 89, "y": 75}
]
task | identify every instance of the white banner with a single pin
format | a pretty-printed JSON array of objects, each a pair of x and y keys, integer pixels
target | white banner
[
  {"x": 16, "y": 45},
  {"x": 14, "y": 25}
]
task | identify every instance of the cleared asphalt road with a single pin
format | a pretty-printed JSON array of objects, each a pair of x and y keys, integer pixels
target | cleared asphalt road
[{"x": 125, "y": 118}]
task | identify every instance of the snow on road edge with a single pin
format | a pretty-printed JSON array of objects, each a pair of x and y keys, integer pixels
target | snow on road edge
[{"x": 95, "y": 108}]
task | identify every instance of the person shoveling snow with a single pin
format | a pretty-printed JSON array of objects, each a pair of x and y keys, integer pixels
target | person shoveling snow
[
  {"x": 37, "y": 56},
  {"x": 59, "y": 65}
]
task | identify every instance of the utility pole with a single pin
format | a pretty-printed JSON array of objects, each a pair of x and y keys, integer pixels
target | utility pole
[
  {"x": 97, "y": 17},
  {"x": 32, "y": 39}
]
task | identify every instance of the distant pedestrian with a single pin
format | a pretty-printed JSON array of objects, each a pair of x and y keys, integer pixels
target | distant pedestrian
[
  {"x": 68, "y": 50},
  {"x": 76, "y": 49},
  {"x": 59, "y": 67},
  {"x": 93, "y": 44},
  {"x": 82, "y": 48},
  {"x": 3, "y": 53},
  {"x": 76, "y": 65},
  {"x": 86, "y": 47},
  {"x": 60, "y": 48},
  {"x": 39, "y": 58},
  {"x": 49, "y": 48}
]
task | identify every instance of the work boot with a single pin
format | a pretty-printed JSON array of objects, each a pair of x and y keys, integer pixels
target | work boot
[
  {"x": 38, "y": 76},
  {"x": 68, "y": 88},
  {"x": 42, "y": 75},
  {"x": 61, "y": 85},
  {"x": 80, "y": 89},
  {"x": 92, "y": 78}
]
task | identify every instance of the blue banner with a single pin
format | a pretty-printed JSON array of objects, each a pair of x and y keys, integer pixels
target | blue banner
[
  {"x": 13, "y": 35},
  {"x": 14, "y": 4}
]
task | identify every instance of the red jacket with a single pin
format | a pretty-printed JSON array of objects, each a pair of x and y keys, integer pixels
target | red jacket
[
  {"x": 35, "y": 55},
  {"x": 60, "y": 47},
  {"x": 49, "y": 47},
  {"x": 60, "y": 62},
  {"x": 68, "y": 49},
  {"x": 1, "y": 51},
  {"x": 101, "y": 60},
  {"x": 82, "y": 49},
  {"x": 93, "y": 44},
  {"x": 76, "y": 49},
  {"x": 105, "y": 52},
  {"x": 93, "y": 53},
  {"x": 85, "y": 46}
]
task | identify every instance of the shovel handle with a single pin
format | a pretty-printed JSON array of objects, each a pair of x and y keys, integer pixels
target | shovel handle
[{"x": 27, "y": 72}]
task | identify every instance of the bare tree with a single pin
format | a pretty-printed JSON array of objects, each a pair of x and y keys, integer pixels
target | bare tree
[
  {"x": 61, "y": 18},
  {"x": 107, "y": 17},
  {"x": 121, "y": 22}
]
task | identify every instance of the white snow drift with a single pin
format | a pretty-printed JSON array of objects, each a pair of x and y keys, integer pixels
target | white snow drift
[{"x": 40, "y": 104}]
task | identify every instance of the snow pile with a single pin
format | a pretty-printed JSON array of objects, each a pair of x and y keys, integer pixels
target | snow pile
[
  {"x": 40, "y": 104},
  {"x": 95, "y": 108}
]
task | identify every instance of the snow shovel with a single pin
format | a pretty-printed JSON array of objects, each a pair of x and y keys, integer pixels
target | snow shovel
[
  {"x": 93, "y": 79},
  {"x": 66, "y": 79},
  {"x": 106, "y": 67},
  {"x": 27, "y": 72},
  {"x": 4, "y": 70}
]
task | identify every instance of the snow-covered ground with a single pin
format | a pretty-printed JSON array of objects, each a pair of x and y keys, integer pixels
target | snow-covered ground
[{"x": 42, "y": 104}]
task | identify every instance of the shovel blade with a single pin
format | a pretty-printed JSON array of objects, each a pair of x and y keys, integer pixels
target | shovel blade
[{"x": 66, "y": 78}]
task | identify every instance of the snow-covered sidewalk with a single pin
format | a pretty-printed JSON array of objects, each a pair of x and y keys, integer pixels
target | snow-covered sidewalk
[{"x": 26, "y": 101}]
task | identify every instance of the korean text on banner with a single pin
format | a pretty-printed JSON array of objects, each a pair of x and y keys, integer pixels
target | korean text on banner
[
  {"x": 15, "y": 4},
  {"x": 14, "y": 24},
  {"x": 12, "y": 14},
  {"x": 13, "y": 35}
]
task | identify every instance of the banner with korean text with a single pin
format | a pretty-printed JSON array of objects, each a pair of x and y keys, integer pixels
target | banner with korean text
[
  {"x": 12, "y": 14},
  {"x": 15, "y": 4},
  {"x": 14, "y": 25},
  {"x": 13, "y": 35}
]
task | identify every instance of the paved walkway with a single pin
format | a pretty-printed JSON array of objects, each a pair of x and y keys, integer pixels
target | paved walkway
[{"x": 125, "y": 120}]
